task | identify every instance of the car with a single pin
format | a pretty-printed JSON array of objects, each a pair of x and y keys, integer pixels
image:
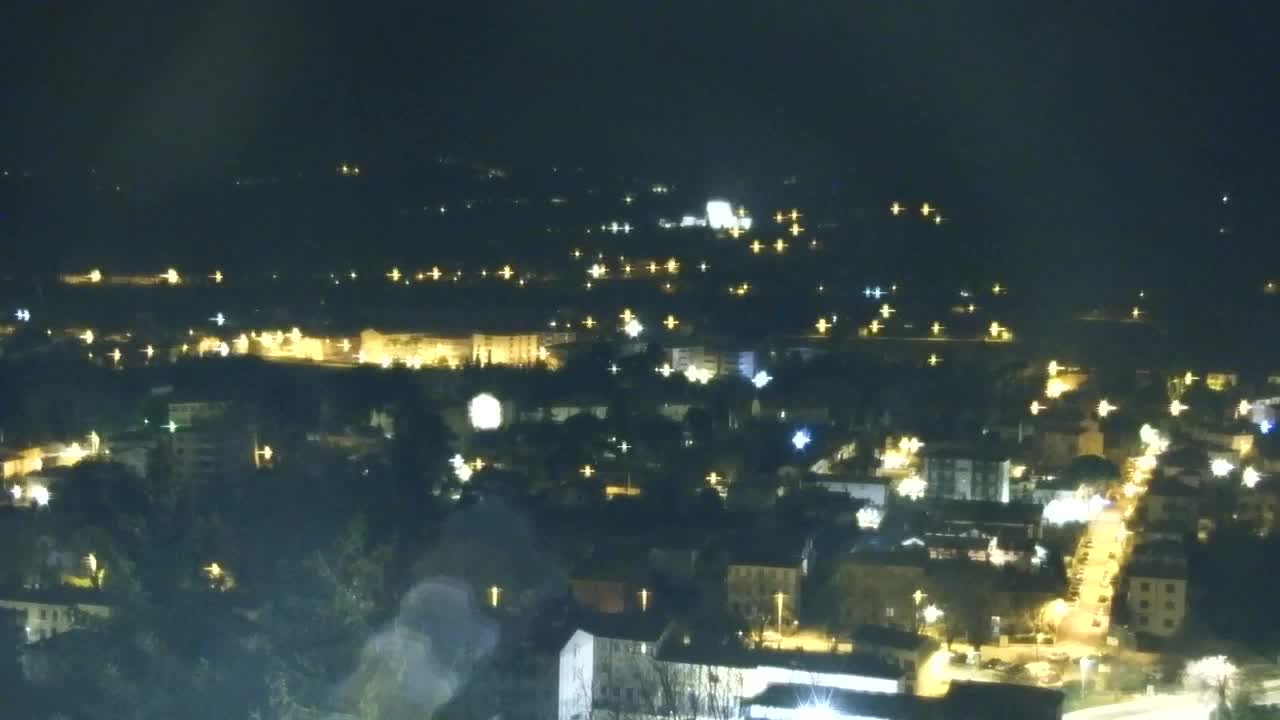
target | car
[
  {"x": 1111, "y": 556},
  {"x": 959, "y": 658},
  {"x": 1097, "y": 622},
  {"x": 1103, "y": 599},
  {"x": 995, "y": 664},
  {"x": 1050, "y": 679},
  {"x": 1058, "y": 656}
]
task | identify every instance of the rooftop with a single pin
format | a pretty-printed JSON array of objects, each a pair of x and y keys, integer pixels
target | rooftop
[
  {"x": 848, "y": 702},
  {"x": 983, "y": 700},
  {"x": 647, "y": 627},
  {"x": 1156, "y": 568},
  {"x": 988, "y": 512},
  {"x": 860, "y": 664}
]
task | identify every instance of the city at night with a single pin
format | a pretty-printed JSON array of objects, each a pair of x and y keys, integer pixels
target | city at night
[{"x": 633, "y": 360}]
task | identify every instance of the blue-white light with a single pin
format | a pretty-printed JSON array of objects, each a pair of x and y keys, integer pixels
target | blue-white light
[
  {"x": 1265, "y": 426},
  {"x": 801, "y": 439},
  {"x": 761, "y": 379}
]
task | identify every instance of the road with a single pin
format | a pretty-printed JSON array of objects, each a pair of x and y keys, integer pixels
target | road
[{"x": 1096, "y": 575}]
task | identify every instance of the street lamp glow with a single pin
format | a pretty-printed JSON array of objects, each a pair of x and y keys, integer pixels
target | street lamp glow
[
  {"x": 1221, "y": 468},
  {"x": 1243, "y": 408},
  {"x": 896, "y": 208},
  {"x": 760, "y": 379},
  {"x": 485, "y": 412},
  {"x": 633, "y": 328},
  {"x": 1054, "y": 368},
  {"x": 171, "y": 276},
  {"x": 1036, "y": 407},
  {"x": 665, "y": 370},
  {"x": 1055, "y": 387},
  {"x": 912, "y": 487},
  {"x": 587, "y": 471},
  {"x": 801, "y": 439},
  {"x": 1105, "y": 408},
  {"x": 1250, "y": 477},
  {"x": 931, "y": 613},
  {"x": 39, "y": 495},
  {"x": 1177, "y": 407},
  {"x": 671, "y": 322}
]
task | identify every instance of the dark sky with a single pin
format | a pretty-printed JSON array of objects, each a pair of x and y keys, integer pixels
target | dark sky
[{"x": 1069, "y": 119}]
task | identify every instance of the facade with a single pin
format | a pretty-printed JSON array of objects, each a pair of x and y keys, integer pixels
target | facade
[
  {"x": 718, "y": 362},
  {"x": 1157, "y": 596},
  {"x": 1173, "y": 504},
  {"x": 766, "y": 582},
  {"x": 44, "y": 615},
  {"x": 876, "y": 587},
  {"x": 911, "y": 652},
  {"x": 517, "y": 349},
  {"x": 1061, "y": 445},
  {"x": 959, "y": 474},
  {"x": 637, "y": 670}
]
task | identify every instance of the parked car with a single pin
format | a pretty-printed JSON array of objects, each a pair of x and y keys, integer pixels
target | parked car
[
  {"x": 959, "y": 658},
  {"x": 995, "y": 664},
  {"x": 1058, "y": 656}
]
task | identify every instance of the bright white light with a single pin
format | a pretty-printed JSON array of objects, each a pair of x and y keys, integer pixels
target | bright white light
[
  {"x": 1243, "y": 408},
  {"x": 910, "y": 445},
  {"x": 39, "y": 495},
  {"x": 16, "y": 492},
  {"x": 1055, "y": 387},
  {"x": 720, "y": 215},
  {"x": 485, "y": 412},
  {"x": 1250, "y": 477},
  {"x": 1265, "y": 426},
  {"x": 1105, "y": 407},
  {"x": 912, "y": 487},
  {"x": 1061, "y": 511},
  {"x": 931, "y": 614},
  {"x": 697, "y": 375},
  {"x": 1221, "y": 468},
  {"x": 801, "y": 439},
  {"x": 893, "y": 460},
  {"x": 816, "y": 711},
  {"x": 761, "y": 379},
  {"x": 1177, "y": 407},
  {"x": 219, "y": 319},
  {"x": 633, "y": 328},
  {"x": 1215, "y": 674},
  {"x": 869, "y": 517}
]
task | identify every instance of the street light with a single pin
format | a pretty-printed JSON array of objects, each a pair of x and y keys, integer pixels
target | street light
[
  {"x": 1177, "y": 407},
  {"x": 778, "y": 597}
]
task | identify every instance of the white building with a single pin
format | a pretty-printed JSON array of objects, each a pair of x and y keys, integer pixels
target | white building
[
  {"x": 960, "y": 474},
  {"x": 44, "y": 615},
  {"x": 715, "y": 361},
  {"x": 629, "y": 666}
]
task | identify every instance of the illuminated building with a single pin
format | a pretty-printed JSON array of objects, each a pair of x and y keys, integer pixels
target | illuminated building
[
  {"x": 715, "y": 361},
  {"x": 45, "y": 613},
  {"x": 214, "y": 443},
  {"x": 1157, "y": 593},
  {"x": 965, "y": 474}
]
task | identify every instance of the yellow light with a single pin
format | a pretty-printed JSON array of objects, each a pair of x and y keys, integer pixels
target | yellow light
[
  {"x": 672, "y": 266},
  {"x": 997, "y": 289},
  {"x": 653, "y": 267},
  {"x": 822, "y": 325},
  {"x": 587, "y": 471},
  {"x": 713, "y": 478},
  {"x": 995, "y": 329},
  {"x": 896, "y": 208},
  {"x": 936, "y": 328},
  {"x": 926, "y": 209},
  {"x": 115, "y": 355},
  {"x": 1189, "y": 378},
  {"x": 589, "y": 322},
  {"x": 217, "y": 277},
  {"x": 1054, "y": 368},
  {"x": 171, "y": 276},
  {"x": 576, "y": 253},
  {"x": 735, "y": 232},
  {"x": 494, "y": 593},
  {"x": 934, "y": 360},
  {"x": 794, "y": 215},
  {"x": 1243, "y": 408},
  {"x": 756, "y": 246},
  {"x": 506, "y": 272},
  {"x": 875, "y": 327},
  {"x": 394, "y": 274},
  {"x": 886, "y": 311},
  {"x": 1177, "y": 407},
  {"x": 779, "y": 218},
  {"x": 597, "y": 271},
  {"x": 87, "y": 337},
  {"x": 1055, "y": 387},
  {"x": 626, "y": 315},
  {"x": 1105, "y": 408},
  {"x": 671, "y": 322},
  {"x": 666, "y": 370},
  {"x": 1136, "y": 313},
  {"x": 95, "y": 275},
  {"x": 435, "y": 273},
  {"x": 795, "y": 230},
  {"x": 1036, "y": 407}
]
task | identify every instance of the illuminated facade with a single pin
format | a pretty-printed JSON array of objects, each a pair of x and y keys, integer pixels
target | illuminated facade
[{"x": 717, "y": 362}]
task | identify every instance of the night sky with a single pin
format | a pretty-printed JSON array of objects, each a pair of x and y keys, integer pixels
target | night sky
[{"x": 1099, "y": 125}]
